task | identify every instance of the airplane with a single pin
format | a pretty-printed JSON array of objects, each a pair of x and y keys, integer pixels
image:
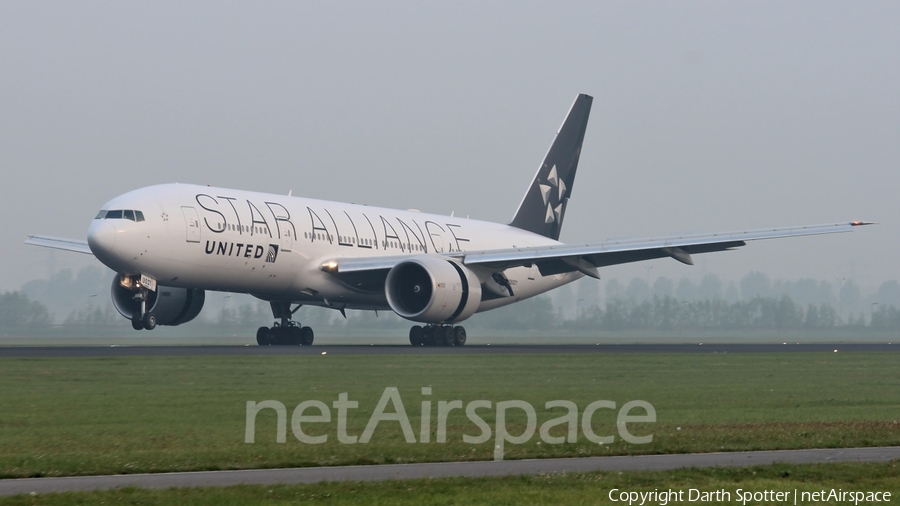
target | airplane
[{"x": 171, "y": 243}]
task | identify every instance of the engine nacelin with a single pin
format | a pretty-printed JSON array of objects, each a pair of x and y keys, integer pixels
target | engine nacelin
[
  {"x": 172, "y": 306},
  {"x": 431, "y": 289}
]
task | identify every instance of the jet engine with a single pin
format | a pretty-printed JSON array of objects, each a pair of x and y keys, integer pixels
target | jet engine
[
  {"x": 171, "y": 306},
  {"x": 431, "y": 289}
]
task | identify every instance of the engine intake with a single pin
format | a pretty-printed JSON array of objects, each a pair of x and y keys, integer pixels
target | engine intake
[
  {"x": 431, "y": 289},
  {"x": 172, "y": 306}
]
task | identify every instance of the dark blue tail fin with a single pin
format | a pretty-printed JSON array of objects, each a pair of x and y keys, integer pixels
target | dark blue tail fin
[{"x": 544, "y": 205}]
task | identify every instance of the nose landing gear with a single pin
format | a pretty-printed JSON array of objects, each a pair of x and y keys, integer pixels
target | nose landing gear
[
  {"x": 142, "y": 319},
  {"x": 286, "y": 331},
  {"x": 437, "y": 335}
]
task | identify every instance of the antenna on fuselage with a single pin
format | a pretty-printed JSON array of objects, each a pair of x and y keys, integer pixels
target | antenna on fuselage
[{"x": 290, "y": 192}]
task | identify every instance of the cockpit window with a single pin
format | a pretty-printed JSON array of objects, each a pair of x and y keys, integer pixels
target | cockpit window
[{"x": 119, "y": 214}]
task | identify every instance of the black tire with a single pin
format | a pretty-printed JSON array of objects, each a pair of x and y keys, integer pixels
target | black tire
[
  {"x": 415, "y": 335},
  {"x": 149, "y": 321},
  {"x": 294, "y": 336},
  {"x": 428, "y": 336},
  {"x": 262, "y": 336},
  {"x": 448, "y": 336},
  {"x": 306, "y": 336},
  {"x": 136, "y": 322},
  {"x": 278, "y": 336},
  {"x": 459, "y": 336}
]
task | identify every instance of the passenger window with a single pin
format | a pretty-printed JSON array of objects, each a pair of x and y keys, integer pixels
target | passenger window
[
  {"x": 114, "y": 215},
  {"x": 129, "y": 214},
  {"x": 138, "y": 216}
]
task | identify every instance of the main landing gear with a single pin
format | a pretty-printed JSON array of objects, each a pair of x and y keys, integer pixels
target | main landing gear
[
  {"x": 437, "y": 335},
  {"x": 286, "y": 331}
]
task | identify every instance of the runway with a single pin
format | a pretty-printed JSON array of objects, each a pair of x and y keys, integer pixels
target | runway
[
  {"x": 443, "y": 470},
  {"x": 130, "y": 351}
]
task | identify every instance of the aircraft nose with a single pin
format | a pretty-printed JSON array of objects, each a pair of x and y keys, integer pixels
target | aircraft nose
[{"x": 102, "y": 239}]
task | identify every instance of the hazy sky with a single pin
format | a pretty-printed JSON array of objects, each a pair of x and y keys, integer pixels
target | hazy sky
[{"x": 708, "y": 116}]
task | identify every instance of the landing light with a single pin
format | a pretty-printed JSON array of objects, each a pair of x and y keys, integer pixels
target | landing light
[{"x": 330, "y": 266}]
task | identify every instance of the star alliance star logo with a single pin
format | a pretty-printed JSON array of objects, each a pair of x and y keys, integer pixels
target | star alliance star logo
[
  {"x": 272, "y": 253},
  {"x": 553, "y": 199}
]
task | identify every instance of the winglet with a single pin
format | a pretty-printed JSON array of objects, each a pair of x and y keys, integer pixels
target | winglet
[{"x": 544, "y": 204}]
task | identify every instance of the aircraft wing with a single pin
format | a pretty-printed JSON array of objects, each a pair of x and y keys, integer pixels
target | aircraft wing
[
  {"x": 586, "y": 258},
  {"x": 59, "y": 243}
]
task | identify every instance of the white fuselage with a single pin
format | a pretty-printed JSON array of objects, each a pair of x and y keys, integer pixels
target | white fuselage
[{"x": 273, "y": 246}]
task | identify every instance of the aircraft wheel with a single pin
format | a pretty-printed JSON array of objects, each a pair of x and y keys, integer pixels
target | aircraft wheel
[
  {"x": 136, "y": 322},
  {"x": 415, "y": 335},
  {"x": 306, "y": 336},
  {"x": 428, "y": 336},
  {"x": 262, "y": 336},
  {"x": 149, "y": 321},
  {"x": 276, "y": 336},
  {"x": 448, "y": 336},
  {"x": 295, "y": 336},
  {"x": 459, "y": 336}
]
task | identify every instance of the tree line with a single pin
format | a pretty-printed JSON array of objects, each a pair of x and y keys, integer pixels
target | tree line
[
  {"x": 18, "y": 312},
  {"x": 670, "y": 314},
  {"x": 753, "y": 302}
]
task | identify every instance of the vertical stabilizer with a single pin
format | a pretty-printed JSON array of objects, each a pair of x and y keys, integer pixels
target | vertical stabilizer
[{"x": 544, "y": 205}]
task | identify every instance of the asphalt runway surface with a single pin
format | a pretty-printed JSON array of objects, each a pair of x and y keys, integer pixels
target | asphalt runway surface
[
  {"x": 126, "y": 351},
  {"x": 444, "y": 469}
]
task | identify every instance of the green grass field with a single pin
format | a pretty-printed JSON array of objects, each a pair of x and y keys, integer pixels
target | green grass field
[
  {"x": 187, "y": 335},
  {"x": 569, "y": 489},
  {"x": 359, "y": 334},
  {"x": 71, "y": 416}
]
